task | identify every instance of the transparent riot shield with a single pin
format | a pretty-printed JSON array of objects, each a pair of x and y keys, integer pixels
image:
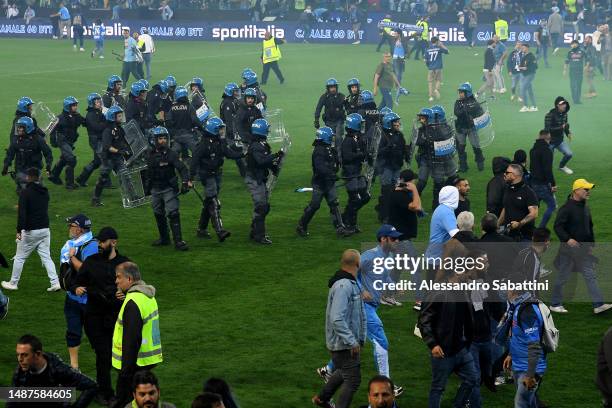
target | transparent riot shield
[
  {"x": 136, "y": 141},
  {"x": 132, "y": 183},
  {"x": 45, "y": 118},
  {"x": 373, "y": 137},
  {"x": 279, "y": 139}
]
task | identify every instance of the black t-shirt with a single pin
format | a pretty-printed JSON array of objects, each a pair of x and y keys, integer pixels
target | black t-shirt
[
  {"x": 517, "y": 200},
  {"x": 463, "y": 206},
  {"x": 404, "y": 220}
]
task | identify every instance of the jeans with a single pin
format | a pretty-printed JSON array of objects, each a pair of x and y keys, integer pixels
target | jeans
[
  {"x": 576, "y": 85},
  {"x": 524, "y": 398},
  {"x": 100, "y": 47},
  {"x": 38, "y": 240},
  {"x": 463, "y": 364},
  {"x": 3, "y": 300},
  {"x": 543, "y": 52},
  {"x": 387, "y": 99},
  {"x": 266, "y": 72},
  {"x": 482, "y": 353},
  {"x": 346, "y": 377},
  {"x": 130, "y": 67},
  {"x": 398, "y": 67},
  {"x": 565, "y": 264},
  {"x": 147, "y": 61},
  {"x": 544, "y": 193},
  {"x": 516, "y": 80},
  {"x": 527, "y": 89},
  {"x": 77, "y": 35},
  {"x": 74, "y": 313},
  {"x": 564, "y": 148},
  {"x": 555, "y": 39}
]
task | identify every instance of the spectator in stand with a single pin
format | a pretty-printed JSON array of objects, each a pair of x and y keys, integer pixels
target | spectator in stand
[
  {"x": 12, "y": 11},
  {"x": 166, "y": 11},
  {"x": 542, "y": 177},
  {"x": 29, "y": 14},
  {"x": 555, "y": 28},
  {"x": 222, "y": 388}
]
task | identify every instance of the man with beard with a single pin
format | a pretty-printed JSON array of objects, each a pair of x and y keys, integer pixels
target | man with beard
[
  {"x": 146, "y": 392},
  {"x": 463, "y": 185},
  {"x": 520, "y": 205},
  {"x": 380, "y": 393},
  {"x": 113, "y": 93},
  {"x": 247, "y": 113}
]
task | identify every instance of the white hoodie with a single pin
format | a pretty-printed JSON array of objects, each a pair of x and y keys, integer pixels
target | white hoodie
[{"x": 449, "y": 196}]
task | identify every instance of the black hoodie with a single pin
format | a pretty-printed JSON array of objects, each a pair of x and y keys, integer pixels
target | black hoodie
[
  {"x": 497, "y": 185},
  {"x": 556, "y": 122},
  {"x": 340, "y": 274},
  {"x": 33, "y": 208}
]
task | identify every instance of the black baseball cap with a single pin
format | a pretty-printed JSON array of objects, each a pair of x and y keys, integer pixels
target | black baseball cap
[
  {"x": 107, "y": 233},
  {"x": 81, "y": 220}
]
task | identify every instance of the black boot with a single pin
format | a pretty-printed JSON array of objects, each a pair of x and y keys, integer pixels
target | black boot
[
  {"x": 258, "y": 230},
  {"x": 383, "y": 202},
  {"x": 214, "y": 209},
  {"x": 241, "y": 167},
  {"x": 341, "y": 230},
  {"x": 70, "y": 184},
  {"x": 84, "y": 176},
  {"x": 203, "y": 224},
  {"x": 175, "y": 227},
  {"x": 162, "y": 227},
  {"x": 54, "y": 176},
  {"x": 302, "y": 227},
  {"x": 463, "y": 167},
  {"x": 479, "y": 157}
]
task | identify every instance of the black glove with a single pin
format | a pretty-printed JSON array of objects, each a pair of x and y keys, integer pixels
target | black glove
[
  {"x": 280, "y": 154},
  {"x": 5, "y": 171},
  {"x": 184, "y": 187},
  {"x": 317, "y": 124}
]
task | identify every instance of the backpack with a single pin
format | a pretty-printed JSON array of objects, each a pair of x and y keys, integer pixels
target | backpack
[
  {"x": 550, "y": 334},
  {"x": 67, "y": 273}
]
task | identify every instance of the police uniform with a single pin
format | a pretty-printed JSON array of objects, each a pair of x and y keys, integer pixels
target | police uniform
[
  {"x": 27, "y": 150},
  {"x": 392, "y": 151},
  {"x": 245, "y": 117},
  {"x": 157, "y": 101},
  {"x": 354, "y": 153},
  {"x": 435, "y": 156},
  {"x": 333, "y": 116},
  {"x": 96, "y": 123},
  {"x": 465, "y": 111},
  {"x": 207, "y": 162},
  {"x": 181, "y": 121},
  {"x": 370, "y": 114},
  {"x": 66, "y": 136},
  {"x": 351, "y": 103},
  {"x": 325, "y": 165},
  {"x": 575, "y": 59},
  {"x": 227, "y": 113},
  {"x": 261, "y": 99},
  {"x": 137, "y": 110},
  {"x": 162, "y": 184},
  {"x": 260, "y": 162},
  {"x": 113, "y": 136},
  {"x": 111, "y": 98},
  {"x": 19, "y": 115}
]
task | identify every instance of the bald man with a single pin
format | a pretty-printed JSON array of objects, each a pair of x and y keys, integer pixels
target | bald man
[{"x": 345, "y": 332}]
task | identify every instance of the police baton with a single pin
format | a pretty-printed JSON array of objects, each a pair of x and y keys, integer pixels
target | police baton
[
  {"x": 117, "y": 55},
  {"x": 198, "y": 194}
]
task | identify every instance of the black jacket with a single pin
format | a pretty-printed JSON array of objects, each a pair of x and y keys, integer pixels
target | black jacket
[
  {"x": 353, "y": 152},
  {"x": 57, "y": 374},
  {"x": 497, "y": 186},
  {"x": 465, "y": 111},
  {"x": 370, "y": 114},
  {"x": 260, "y": 160},
  {"x": 541, "y": 163},
  {"x": 95, "y": 122},
  {"x": 227, "y": 112},
  {"x": 351, "y": 104},
  {"x": 324, "y": 164},
  {"x": 182, "y": 118},
  {"x": 392, "y": 149},
  {"x": 157, "y": 102},
  {"x": 556, "y": 122},
  {"x": 245, "y": 117},
  {"x": 334, "y": 107},
  {"x": 114, "y": 136},
  {"x": 68, "y": 126},
  {"x": 530, "y": 62},
  {"x": 19, "y": 115},
  {"x": 110, "y": 98},
  {"x": 574, "y": 222},
  {"x": 137, "y": 110},
  {"x": 209, "y": 156},
  {"x": 28, "y": 151},
  {"x": 33, "y": 212},
  {"x": 489, "y": 59},
  {"x": 162, "y": 165},
  {"x": 260, "y": 96},
  {"x": 604, "y": 364},
  {"x": 444, "y": 316}
]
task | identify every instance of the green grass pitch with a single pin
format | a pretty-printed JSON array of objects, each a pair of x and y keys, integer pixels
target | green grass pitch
[{"x": 255, "y": 315}]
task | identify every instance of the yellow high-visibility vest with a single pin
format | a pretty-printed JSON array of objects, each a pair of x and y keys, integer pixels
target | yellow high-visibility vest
[
  {"x": 150, "y": 351},
  {"x": 571, "y": 6},
  {"x": 425, "y": 25},
  {"x": 387, "y": 30},
  {"x": 501, "y": 29},
  {"x": 271, "y": 52}
]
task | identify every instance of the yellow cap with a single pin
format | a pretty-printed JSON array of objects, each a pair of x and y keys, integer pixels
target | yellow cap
[{"x": 582, "y": 183}]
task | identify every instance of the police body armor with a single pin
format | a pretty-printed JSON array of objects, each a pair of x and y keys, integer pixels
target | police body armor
[
  {"x": 162, "y": 173},
  {"x": 466, "y": 110},
  {"x": 27, "y": 153},
  {"x": 259, "y": 173},
  {"x": 436, "y": 143}
]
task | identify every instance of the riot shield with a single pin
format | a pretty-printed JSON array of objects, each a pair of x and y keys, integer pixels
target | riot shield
[
  {"x": 277, "y": 136},
  {"x": 45, "y": 118},
  {"x": 136, "y": 141},
  {"x": 373, "y": 137},
  {"x": 484, "y": 126},
  {"x": 132, "y": 181}
]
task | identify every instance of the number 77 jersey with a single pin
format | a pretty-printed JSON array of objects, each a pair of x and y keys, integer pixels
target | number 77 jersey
[{"x": 433, "y": 57}]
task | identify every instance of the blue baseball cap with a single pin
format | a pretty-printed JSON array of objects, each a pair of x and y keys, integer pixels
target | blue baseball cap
[{"x": 387, "y": 230}]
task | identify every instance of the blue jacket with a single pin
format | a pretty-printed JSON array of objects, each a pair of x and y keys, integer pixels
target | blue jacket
[
  {"x": 368, "y": 275},
  {"x": 345, "y": 321},
  {"x": 526, "y": 339}
]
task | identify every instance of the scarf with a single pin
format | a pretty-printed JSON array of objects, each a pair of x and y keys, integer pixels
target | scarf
[{"x": 74, "y": 243}]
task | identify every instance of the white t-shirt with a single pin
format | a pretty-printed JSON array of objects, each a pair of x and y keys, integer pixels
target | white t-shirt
[{"x": 148, "y": 43}]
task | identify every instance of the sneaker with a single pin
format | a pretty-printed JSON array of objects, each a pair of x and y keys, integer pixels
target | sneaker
[
  {"x": 533, "y": 109},
  {"x": 417, "y": 306},
  {"x": 9, "y": 286},
  {"x": 520, "y": 99},
  {"x": 512, "y": 98},
  {"x": 181, "y": 246},
  {"x": 101, "y": 56},
  {"x": 566, "y": 170},
  {"x": 54, "y": 288},
  {"x": 55, "y": 37},
  {"x": 501, "y": 380},
  {"x": 502, "y": 91},
  {"x": 417, "y": 332},
  {"x": 602, "y": 308},
  {"x": 316, "y": 400},
  {"x": 389, "y": 301},
  {"x": 430, "y": 99},
  {"x": 555, "y": 51},
  {"x": 558, "y": 309},
  {"x": 324, "y": 373},
  {"x": 5, "y": 309},
  {"x": 437, "y": 94},
  {"x": 95, "y": 202},
  {"x": 203, "y": 233},
  {"x": 397, "y": 390},
  {"x": 545, "y": 272},
  {"x": 74, "y": 47},
  {"x": 357, "y": 43},
  {"x": 82, "y": 49},
  {"x": 524, "y": 109}
]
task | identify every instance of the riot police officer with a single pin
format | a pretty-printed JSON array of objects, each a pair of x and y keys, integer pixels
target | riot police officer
[
  {"x": 351, "y": 102},
  {"x": 64, "y": 137},
  {"x": 162, "y": 184},
  {"x": 198, "y": 97},
  {"x": 436, "y": 150},
  {"x": 113, "y": 152},
  {"x": 325, "y": 167},
  {"x": 246, "y": 116},
  {"x": 113, "y": 93},
  {"x": 27, "y": 148},
  {"x": 172, "y": 84},
  {"x": 392, "y": 151},
  {"x": 24, "y": 109},
  {"x": 96, "y": 123},
  {"x": 249, "y": 78},
  {"x": 333, "y": 117},
  {"x": 157, "y": 101},
  {"x": 260, "y": 162},
  {"x": 137, "y": 106},
  {"x": 181, "y": 122},
  {"x": 354, "y": 154},
  {"x": 230, "y": 104},
  {"x": 207, "y": 162},
  {"x": 466, "y": 109},
  {"x": 368, "y": 110}
]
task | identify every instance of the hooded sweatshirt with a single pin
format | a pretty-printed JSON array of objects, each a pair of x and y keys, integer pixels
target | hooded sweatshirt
[
  {"x": 554, "y": 122},
  {"x": 33, "y": 208},
  {"x": 497, "y": 185},
  {"x": 443, "y": 221}
]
